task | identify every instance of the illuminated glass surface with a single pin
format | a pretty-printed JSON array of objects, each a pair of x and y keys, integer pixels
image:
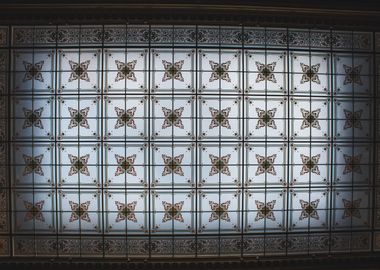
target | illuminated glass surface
[{"x": 189, "y": 141}]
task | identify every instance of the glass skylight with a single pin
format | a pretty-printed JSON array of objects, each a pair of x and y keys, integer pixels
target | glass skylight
[{"x": 187, "y": 141}]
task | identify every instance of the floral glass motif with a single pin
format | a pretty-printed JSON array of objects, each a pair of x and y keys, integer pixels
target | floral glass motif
[
  {"x": 310, "y": 118},
  {"x": 310, "y": 73},
  {"x": 33, "y": 118},
  {"x": 220, "y": 165},
  {"x": 125, "y": 165},
  {"x": 352, "y": 164},
  {"x": 173, "y": 211},
  {"x": 219, "y": 211},
  {"x": 266, "y": 164},
  {"x": 33, "y": 71},
  {"x": 220, "y": 118},
  {"x": 79, "y": 211},
  {"x": 79, "y": 117},
  {"x": 79, "y": 165},
  {"x": 34, "y": 211},
  {"x": 172, "y": 118},
  {"x": 220, "y": 71},
  {"x": 309, "y": 209},
  {"x": 266, "y": 72},
  {"x": 265, "y": 210},
  {"x": 351, "y": 208},
  {"x": 173, "y": 71},
  {"x": 266, "y": 118},
  {"x": 125, "y": 118},
  {"x": 173, "y": 165},
  {"x": 33, "y": 165},
  {"x": 352, "y": 75},
  {"x": 79, "y": 71},
  {"x": 353, "y": 119},
  {"x": 126, "y": 211},
  {"x": 125, "y": 71},
  {"x": 310, "y": 164}
]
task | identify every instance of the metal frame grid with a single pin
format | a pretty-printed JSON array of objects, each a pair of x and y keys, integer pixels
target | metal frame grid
[{"x": 237, "y": 210}]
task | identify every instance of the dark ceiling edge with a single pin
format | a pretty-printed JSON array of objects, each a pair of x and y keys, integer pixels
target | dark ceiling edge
[
  {"x": 336, "y": 261},
  {"x": 224, "y": 14},
  {"x": 298, "y": 261},
  {"x": 343, "y": 263}
]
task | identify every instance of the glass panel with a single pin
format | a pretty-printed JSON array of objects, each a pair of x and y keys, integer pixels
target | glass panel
[{"x": 151, "y": 141}]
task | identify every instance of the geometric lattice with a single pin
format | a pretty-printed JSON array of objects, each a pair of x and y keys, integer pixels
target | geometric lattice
[{"x": 144, "y": 141}]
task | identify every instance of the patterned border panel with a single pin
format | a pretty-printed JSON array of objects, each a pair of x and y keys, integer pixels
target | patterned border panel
[
  {"x": 377, "y": 158},
  {"x": 4, "y": 207},
  {"x": 271, "y": 245},
  {"x": 376, "y": 240},
  {"x": 3, "y": 36},
  {"x": 377, "y": 42},
  {"x": 142, "y": 35}
]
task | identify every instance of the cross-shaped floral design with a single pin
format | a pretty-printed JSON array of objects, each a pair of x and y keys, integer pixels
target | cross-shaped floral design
[
  {"x": 172, "y": 118},
  {"x": 33, "y": 118},
  {"x": 34, "y": 211},
  {"x": 173, "y": 211},
  {"x": 310, "y": 118},
  {"x": 125, "y": 165},
  {"x": 79, "y": 211},
  {"x": 310, "y": 164},
  {"x": 125, "y": 71},
  {"x": 219, "y": 211},
  {"x": 220, "y": 118},
  {"x": 79, "y": 71},
  {"x": 79, "y": 117},
  {"x": 33, "y": 71},
  {"x": 126, "y": 211},
  {"x": 352, "y": 75},
  {"x": 353, "y": 119},
  {"x": 352, "y": 164},
  {"x": 172, "y": 165},
  {"x": 266, "y": 118},
  {"x": 351, "y": 208},
  {"x": 219, "y": 164},
  {"x": 173, "y": 71},
  {"x": 266, "y": 72},
  {"x": 79, "y": 165},
  {"x": 33, "y": 164},
  {"x": 220, "y": 71},
  {"x": 309, "y": 209},
  {"x": 265, "y": 164},
  {"x": 265, "y": 210},
  {"x": 310, "y": 73},
  {"x": 125, "y": 117}
]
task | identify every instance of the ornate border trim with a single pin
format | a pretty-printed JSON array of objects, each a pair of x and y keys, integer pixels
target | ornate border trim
[
  {"x": 210, "y": 36},
  {"x": 4, "y": 187}
]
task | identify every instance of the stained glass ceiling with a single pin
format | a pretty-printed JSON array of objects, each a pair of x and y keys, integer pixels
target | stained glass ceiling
[{"x": 143, "y": 141}]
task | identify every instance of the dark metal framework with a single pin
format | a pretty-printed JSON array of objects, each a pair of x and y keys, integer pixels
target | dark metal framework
[{"x": 327, "y": 226}]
